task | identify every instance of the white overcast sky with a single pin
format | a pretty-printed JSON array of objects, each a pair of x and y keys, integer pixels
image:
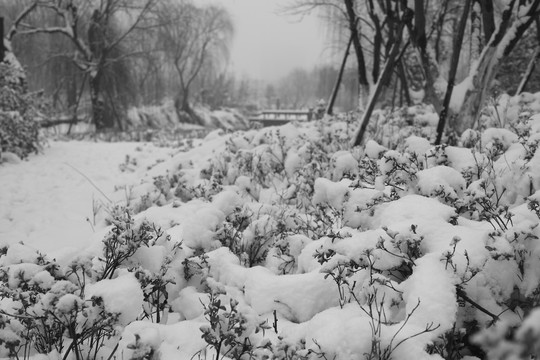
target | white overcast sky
[{"x": 268, "y": 45}]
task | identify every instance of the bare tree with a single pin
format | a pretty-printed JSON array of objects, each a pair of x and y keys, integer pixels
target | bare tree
[
  {"x": 384, "y": 77},
  {"x": 191, "y": 37},
  {"x": 97, "y": 50},
  {"x": 333, "y": 97},
  {"x": 432, "y": 29},
  {"x": 373, "y": 28}
]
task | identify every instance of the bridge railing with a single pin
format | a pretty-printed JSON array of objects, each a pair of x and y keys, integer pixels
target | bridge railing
[{"x": 279, "y": 117}]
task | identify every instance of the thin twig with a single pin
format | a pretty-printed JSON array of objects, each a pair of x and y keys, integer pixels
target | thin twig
[
  {"x": 461, "y": 293},
  {"x": 90, "y": 181}
]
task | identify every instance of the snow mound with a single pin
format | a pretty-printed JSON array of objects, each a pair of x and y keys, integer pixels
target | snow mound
[
  {"x": 503, "y": 137},
  {"x": 441, "y": 181},
  {"x": 122, "y": 295}
]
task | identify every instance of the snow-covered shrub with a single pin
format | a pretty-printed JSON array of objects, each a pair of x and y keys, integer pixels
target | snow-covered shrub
[
  {"x": 18, "y": 135},
  {"x": 42, "y": 311},
  {"x": 423, "y": 246},
  {"x": 123, "y": 241},
  {"x": 512, "y": 341},
  {"x": 19, "y": 129},
  {"x": 155, "y": 286},
  {"x": 374, "y": 279},
  {"x": 391, "y": 126},
  {"x": 79, "y": 308},
  {"x": 401, "y": 251},
  {"x": 228, "y": 330}
]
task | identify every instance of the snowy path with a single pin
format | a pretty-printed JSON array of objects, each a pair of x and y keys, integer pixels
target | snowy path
[{"x": 45, "y": 202}]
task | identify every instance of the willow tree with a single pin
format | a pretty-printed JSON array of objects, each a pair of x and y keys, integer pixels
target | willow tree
[
  {"x": 191, "y": 37},
  {"x": 97, "y": 31}
]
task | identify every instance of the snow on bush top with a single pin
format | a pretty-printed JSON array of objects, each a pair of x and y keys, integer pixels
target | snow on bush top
[{"x": 122, "y": 295}]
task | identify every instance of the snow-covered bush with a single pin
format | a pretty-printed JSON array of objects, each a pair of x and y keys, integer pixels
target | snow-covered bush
[
  {"x": 19, "y": 129},
  {"x": 398, "y": 241},
  {"x": 506, "y": 340},
  {"x": 42, "y": 311},
  {"x": 227, "y": 332},
  {"x": 390, "y": 127},
  {"x": 296, "y": 246},
  {"x": 80, "y": 307}
]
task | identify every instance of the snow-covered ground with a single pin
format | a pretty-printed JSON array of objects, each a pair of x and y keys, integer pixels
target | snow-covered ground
[
  {"x": 279, "y": 243},
  {"x": 49, "y": 201}
]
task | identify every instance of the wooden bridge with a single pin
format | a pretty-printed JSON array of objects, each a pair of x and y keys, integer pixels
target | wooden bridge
[{"x": 280, "y": 117}]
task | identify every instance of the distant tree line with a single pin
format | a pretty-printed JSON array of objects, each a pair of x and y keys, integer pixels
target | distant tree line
[
  {"x": 104, "y": 56},
  {"x": 302, "y": 88}
]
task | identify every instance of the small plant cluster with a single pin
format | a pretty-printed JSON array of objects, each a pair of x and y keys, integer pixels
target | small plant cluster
[
  {"x": 48, "y": 307},
  {"x": 393, "y": 125},
  {"x": 19, "y": 111},
  {"x": 371, "y": 280},
  {"x": 44, "y": 311},
  {"x": 229, "y": 334},
  {"x": 227, "y": 331}
]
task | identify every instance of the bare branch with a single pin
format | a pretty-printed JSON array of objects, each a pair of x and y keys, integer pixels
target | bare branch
[
  {"x": 13, "y": 30},
  {"x": 145, "y": 10}
]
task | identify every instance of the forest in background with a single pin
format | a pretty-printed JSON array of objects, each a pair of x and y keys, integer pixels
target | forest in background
[
  {"x": 101, "y": 58},
  {"x": 140, "y": 70}
]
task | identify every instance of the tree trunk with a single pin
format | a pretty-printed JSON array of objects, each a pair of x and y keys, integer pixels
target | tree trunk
[
  {"x": 364, "y": 94},
  {"x": 476, "y": 33},
  {"x": 488, "y": 18},
  {"x": 501, "y": 43},
  {"x": 353, "y": 26},
  {"x": 534, "y": 60},
  {"x": 377, "y": 40},
  {"x": 404, "y": 84},
  {"x": 72, "y": 90},
  {"x": 475, "y": 97},
  {"x": 183, "y": 107},
  {"x": 429, "y": 65},
  {"x": 2, "y": 49},
  {"x": 99, "y": 117},
  {"x": 387, "y": 70},
  {"x": 528, "y": 73},
  {"x": 185, "y": 101},
  {"x": 331, "y": 102},
  {"x": 456, "y": 51}
]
